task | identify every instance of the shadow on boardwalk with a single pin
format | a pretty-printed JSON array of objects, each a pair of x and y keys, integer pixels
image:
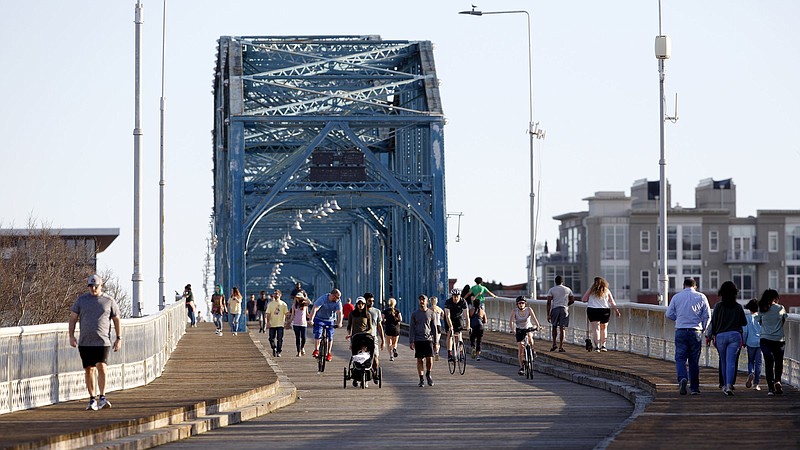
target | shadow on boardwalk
[{"x": 206, "y": 385}]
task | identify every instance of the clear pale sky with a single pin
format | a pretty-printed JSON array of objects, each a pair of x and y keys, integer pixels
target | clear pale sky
[{"x": 67, "y": 112}]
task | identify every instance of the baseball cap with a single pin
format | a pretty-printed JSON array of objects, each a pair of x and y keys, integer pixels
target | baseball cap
[
  {"x": 95, "y": 280},
  {"x": 521, "y": 299},
  {"x": 455, "y": 291},
  {"x": 361, "y": 299},
  {"x": 300, "y": 294}
]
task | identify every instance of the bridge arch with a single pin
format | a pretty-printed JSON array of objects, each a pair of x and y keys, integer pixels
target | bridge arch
[{"x": 329, "y": 166}]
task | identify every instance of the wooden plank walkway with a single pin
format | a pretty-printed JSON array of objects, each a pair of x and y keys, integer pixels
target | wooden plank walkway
[
  {"x": 489, "y": 406},
  {"x": 208, "y": 375}
]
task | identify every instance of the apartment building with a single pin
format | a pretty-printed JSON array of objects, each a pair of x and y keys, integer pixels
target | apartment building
[{"x": 618, "y": 239}]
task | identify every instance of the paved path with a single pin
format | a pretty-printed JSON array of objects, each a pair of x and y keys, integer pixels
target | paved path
[{"x": 490, "y": 405}]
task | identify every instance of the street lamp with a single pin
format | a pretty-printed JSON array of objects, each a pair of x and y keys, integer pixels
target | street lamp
[{"x": 534, "y": 133}]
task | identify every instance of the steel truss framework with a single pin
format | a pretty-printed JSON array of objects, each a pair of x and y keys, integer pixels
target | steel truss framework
[{"x": 366, "y": 114}]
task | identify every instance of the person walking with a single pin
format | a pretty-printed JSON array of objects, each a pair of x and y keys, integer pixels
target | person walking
[
  {"x": 438, "y": 315},
  {"x": 479, "y": 291},
  {"x": 95, "y": 312},
  {"x": 234, "y": 309},
  {"x": 423, "y": 339},
  {"x": 298, "y": 287},
  {"x": 377, "y": 328},
  {"x": 251, "y": 308},
  {"x": 559, "y": 298},
  {"x": 218, "y": 308},
  {"x": 598, "y": 309},
  {"x": 691, "y": 313},
  {"x": 261, "y": 308},
  {"x": 771, "y": 317},
  {"x": 277, "y": 310},
  {"x": 299, "y": 321},
  {"x": 391, "y": 327},
  {"x": 521, "y": 324},
  {"x": 347, "y": 308},
  {"x": 727, "y": 320},
  {"x": 327, "y": 312},
  {"x": 188, "y": 299},
  {"x": 477, "y": 319},
  {"x": 751, "y": 333}
]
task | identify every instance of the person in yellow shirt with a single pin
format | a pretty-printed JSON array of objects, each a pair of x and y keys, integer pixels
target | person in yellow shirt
[{"x": 276, "y": 313}]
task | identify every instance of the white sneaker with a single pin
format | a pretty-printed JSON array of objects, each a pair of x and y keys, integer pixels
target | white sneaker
[
  {"x": 103, "y": 403},
  {"x": 757, "y": 387},
  {"x": 92, "y": 405}
]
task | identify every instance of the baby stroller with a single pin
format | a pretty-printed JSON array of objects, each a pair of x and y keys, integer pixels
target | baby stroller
[{"x": 360, "y": 369}]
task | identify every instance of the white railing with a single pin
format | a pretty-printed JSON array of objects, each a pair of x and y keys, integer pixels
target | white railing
[
  {"x": 641, "y": 329},
  {"x": 38, "y": 366}
]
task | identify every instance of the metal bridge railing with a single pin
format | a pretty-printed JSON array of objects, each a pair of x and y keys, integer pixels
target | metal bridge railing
[
  {"x": 641, "y": 329},
  {"x": 38, "y": 366}
]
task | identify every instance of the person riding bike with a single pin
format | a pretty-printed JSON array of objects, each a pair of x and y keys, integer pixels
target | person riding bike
[
  {"x": 456, "y": 318},
  {"x": 520, "y": 320},
  {"x": 327, "y": 312}
]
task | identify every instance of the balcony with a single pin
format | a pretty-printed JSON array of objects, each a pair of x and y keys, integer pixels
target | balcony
[{"x": 746, "y": 256}]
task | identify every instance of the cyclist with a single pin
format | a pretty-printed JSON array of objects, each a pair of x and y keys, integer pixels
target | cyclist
[
  {"x": 521, "y": 320},
  {"x": 327, "y": 311},
  {"x": 455, "y": 317}
]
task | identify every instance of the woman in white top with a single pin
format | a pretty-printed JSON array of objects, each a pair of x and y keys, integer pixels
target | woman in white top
[
  {"x": 437, "y": 311},
  {"x": 599, "y": 311},
  {"x": 299, "y": 321},
  {"x": 521, "y": 324}
]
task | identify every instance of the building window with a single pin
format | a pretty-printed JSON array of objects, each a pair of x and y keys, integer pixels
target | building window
[
  {"x": 691, "y": 242},
  {"x": 713, "y": 241},
  {"x": 773, "y": 282},
  {"x": 645, "y": 280},
  {"x": 772, "y": 242},
  {"x": 743, "y": 277},
  {"x": 644, "y": 241},
  {"x": 713, "y": 280},
  {"x": 793, "y": 243},
  {"x": 614, "y": 242},
  {"x": 793, "y": 279}
]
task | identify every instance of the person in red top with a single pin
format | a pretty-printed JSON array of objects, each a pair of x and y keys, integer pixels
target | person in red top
[{"x": 347, "y": 308}]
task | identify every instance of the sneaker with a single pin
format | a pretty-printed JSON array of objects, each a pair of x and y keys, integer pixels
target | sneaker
[
  {"x": 278, "y": 355},
  {"x": 597, "y": 350},
  {"x": 770, "y": 394},
  {"x": 682, "y": 385},
  {"x": 478, "y": 358},
  {"x": 436, "y": 357},
  {"x": 694, "y": 393},
  {"x": 366, "y": 384},
  {"x": 750, "y": 379},
  {"x": 298, "y": 354},
  {"x": 521, "y": 371},
  {"x": 391, "y": 358},
  {"x": 274, "y": 353},
  {"x": 216, "y": 332},
  {"x": 603, "y": 348},
  {"x": 92, "y": 405},
  {"x": 328, "y": 357},
  {"x": 727, "y": 391},
  {"x": 756, "y": 388},
  {"x": 430, "y": 380},
  {"x": 561, "y": 350},
  {"x": 302, "y": 351},
  {"x": 421, "y": 383},
  {"x": 315, "y": 354},
  {"x": 778, "y": 388},
  {"x": 394, "y": 352},
  {"x": 553, "y": 348},
  {"x": 103, "y": 403}
]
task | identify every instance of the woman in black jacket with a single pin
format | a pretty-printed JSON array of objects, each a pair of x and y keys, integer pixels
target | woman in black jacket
[{"x": 727, "y": 321}]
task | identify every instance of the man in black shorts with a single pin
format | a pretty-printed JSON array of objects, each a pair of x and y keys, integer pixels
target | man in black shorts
[
  {"x": 95, "y": 311},
  {"x": 423, "y": 339},
  {"x": 455, "y": 318}
]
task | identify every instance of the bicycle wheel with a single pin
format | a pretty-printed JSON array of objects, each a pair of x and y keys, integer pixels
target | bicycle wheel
[
  {"x": 451, "y": 360},
  {"x": 528, "y": 362},
  {"x": 323, "y": 353},
  {"x": 461, "y": 357}
]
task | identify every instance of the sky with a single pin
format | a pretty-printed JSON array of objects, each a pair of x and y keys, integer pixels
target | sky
[{"x": 67, "y": 112}]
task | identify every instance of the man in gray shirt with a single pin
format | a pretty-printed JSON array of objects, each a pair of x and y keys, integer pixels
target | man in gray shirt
[
  {"x": 559, "y": 297},
  {"x": 423, "y": 339},
  {"x": 95, "y": 311}
]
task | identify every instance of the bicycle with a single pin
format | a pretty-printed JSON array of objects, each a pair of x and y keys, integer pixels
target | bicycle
[
  {"x": 458, "y": 357},
  {"x": 323, "y": 347},
  {"x": 530, "y": 354}
]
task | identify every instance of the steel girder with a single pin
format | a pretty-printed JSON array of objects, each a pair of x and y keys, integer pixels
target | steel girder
[{"x": 353, "y": 123}]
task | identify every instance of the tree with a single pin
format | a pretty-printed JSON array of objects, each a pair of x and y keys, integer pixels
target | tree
[{"x": 41, "y": 275}]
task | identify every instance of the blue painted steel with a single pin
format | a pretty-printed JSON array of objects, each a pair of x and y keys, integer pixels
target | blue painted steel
[{"x": 351, "y": 125}]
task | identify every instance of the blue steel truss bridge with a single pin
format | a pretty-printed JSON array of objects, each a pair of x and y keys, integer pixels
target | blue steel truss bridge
[{"x": 329, "y": 166}]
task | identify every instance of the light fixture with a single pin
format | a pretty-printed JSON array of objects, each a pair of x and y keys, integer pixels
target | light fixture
[
  {"x": 296, "y": 225},
  {"x": 322, "y": 213},
  {"x": 282, "y": 251},
  {"x": 335, "y": 205},
  {"x": 327, "y": 206}
]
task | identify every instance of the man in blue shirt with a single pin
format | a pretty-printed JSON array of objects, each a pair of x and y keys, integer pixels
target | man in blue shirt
[
  {"x": 327, "y": 311},
  {"x": 691, "y": 313}
]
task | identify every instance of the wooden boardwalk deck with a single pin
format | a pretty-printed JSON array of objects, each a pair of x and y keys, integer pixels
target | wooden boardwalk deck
[{"x": 489, "y": 406}]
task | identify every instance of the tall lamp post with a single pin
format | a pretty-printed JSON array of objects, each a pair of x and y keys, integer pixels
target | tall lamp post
[
  {"x": 534, "y": 133},
  {"x": 136, "y": 278},
  {"x": 663, "y": 50}
]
